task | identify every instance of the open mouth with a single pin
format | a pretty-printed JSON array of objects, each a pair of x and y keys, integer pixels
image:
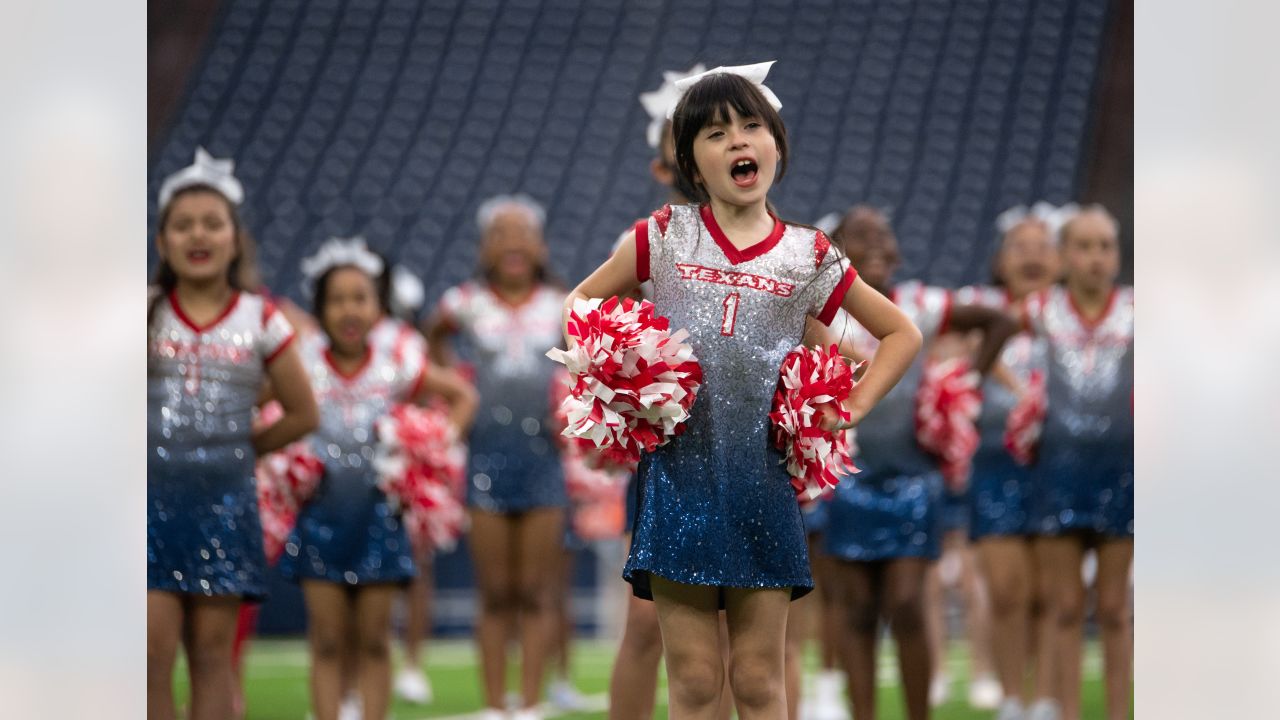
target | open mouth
[
  {"x": 198, "y": 256},
  {"x": 744, "y": 172}
]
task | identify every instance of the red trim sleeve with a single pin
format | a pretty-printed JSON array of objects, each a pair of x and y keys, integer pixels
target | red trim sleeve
[
  {"x": 642, "y": 250},
  {"x": 821, "y": 244},
  {"x": 280, "y": 348},
  {"x": 947, "y": 301},
  {"x": 837, "y": 296}
]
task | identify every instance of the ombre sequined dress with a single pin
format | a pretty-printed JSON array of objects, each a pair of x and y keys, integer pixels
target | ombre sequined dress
[
  {"x": 513, "y": 464},
  {"x": 715, "y": 504},
  {"x": 1000, "y": 489},
  {"x": 203, "y": 532},
  {"x": 1086, "y": 450},
  {"x": 892, "y": 508},
  {"x": 348, "y": 532}
]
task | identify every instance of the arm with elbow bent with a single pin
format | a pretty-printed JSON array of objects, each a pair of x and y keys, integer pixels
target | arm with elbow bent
[
  {"x": 617, "y": 276},
  {"x": 288, "y": 384},
  {"x": 996, "y": 328},
  {"x": 900, "y": 342}
]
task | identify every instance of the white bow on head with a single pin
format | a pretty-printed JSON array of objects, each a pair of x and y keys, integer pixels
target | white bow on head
[
  {"x": 339, "y": 252},
  {"x": 1052, "y": 217},
  {"x": 660, "y": 102},
  {"x": 206, "y": 170},
  {"x": 755, "y": 73}
]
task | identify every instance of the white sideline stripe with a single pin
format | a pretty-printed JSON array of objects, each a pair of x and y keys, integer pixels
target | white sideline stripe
[{"x": 590, "y": 703}]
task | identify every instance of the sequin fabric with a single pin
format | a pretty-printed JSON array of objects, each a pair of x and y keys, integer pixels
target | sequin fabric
[
  {"x": 348, "y": 533},
  {"x": 891, "y": 508},
  {"x": 513, "y": 465},
  {"x": 1086, "y": 449},
  {"x": 203, "y": 532},
  {"x": 1001, "y": 491},
  {"x": 715, "y": 505}
]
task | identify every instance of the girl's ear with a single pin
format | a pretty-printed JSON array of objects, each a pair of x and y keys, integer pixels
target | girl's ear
[{"x": 160, "y": 244}]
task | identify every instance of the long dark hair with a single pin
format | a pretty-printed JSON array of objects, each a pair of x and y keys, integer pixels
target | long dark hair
[
  {"x": 242, "y": 273},
  {"x": 709, "y": 101}
]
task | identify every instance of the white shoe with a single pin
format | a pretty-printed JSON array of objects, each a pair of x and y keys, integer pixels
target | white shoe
[
  {"x": 490, "y": 713},
  {"x": 939, "y": 689},
  {"x": 1011, "y": 709},
  {"x": 529, "y": 713},
  {"x": 1043, "y": 709},
  {"x": 351, "y": 708},
  {"x": 828, "y": 686},
  {"x": 565, "y": 697},
  {"x": 985, "y": 693},
  {"x": 413, "y": 686}
]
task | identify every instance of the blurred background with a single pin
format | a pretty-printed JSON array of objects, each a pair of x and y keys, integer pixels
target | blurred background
[{"x": 394, "y": 119}]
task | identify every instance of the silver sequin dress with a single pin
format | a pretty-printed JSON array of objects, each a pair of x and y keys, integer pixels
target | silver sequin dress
[
  {"x": 203, "y": 532},
  {"x": 1000, "y": 490},
  {"x": 715, "y": 504},
  {"x": 892, "y": 508},
  {"x": 1086, "y": 449},
  {"x": 513, "y": 464},
  {"x": 348, "y": 532}
]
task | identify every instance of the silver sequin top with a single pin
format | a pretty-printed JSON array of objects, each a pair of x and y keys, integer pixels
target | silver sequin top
[{"x": 203, "y": 381}]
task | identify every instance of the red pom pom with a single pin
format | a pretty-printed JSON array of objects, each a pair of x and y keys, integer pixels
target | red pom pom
[
  {"x": 1026, "y": 420},
  {"x": 633, "y": 381},
  {"x": 421, "y": 466},
  {"x": 813, "y": 382},
  {"x": 947, "y": 406},
  {"x": 286, "y": 479}
]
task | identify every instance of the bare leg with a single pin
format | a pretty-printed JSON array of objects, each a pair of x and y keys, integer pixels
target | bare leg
[
  {"x": 563, "y": 613},
  {"x": 858, "y": 584},
  {"x": 757, "y": 622},
  {"x": 977, "y": 604},
  {"x": 935, "y": 615},
  {"x": 164, "y": 633},
  {"x": 211, "y": 630},
  {"x": 904, "y": 608},
  {"x": 492, "y": 554},
  {"x": 688, "y": 616},
  {"x": 418, "y": 625},
  {"x": 1060, "y": 559},
  {"x": 635, "y": 671},
  {"x": 1006, "y": 566},
  {"x": 1114, "y": 558},
  {"x": 825, "y": 620},
  {"x": 799, "y": 619},
  {"x": 539, "y": 536},
  {"x": 725, "y": 710},
  {"x": 373, "y": 631},
  {"x": 328, "y": 631}
]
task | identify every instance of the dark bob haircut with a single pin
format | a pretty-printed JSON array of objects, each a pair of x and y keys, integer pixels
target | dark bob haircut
[{"x": 709, "y": 101}]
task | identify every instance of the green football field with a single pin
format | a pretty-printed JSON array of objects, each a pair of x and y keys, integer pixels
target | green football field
[{"x": 276, "y": 683}]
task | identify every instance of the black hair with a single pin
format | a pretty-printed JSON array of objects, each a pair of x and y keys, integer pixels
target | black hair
[
  {"x": 320, "y": 291},
  {"x": 709, "y": 101},
  {"x": 242, "y": 273}
]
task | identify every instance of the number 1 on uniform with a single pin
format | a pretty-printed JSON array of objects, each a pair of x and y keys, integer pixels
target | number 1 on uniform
[{"x": 730, "y": 314}]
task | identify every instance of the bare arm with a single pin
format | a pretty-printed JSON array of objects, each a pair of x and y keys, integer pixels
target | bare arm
[
  {"x": 996, "y": 328},
  {"x": 438, "y": 331},
  {"x": 457, "y": 393},
  {"x": 290, "y": 386},
  {"x": 617, "y": 276},
  {"x": 899, "y": 338}
]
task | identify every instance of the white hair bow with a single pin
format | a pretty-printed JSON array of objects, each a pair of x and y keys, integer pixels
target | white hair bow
[
  {"x": 407, "y": 291},
  {"x": 755, "y": 73},
  {"x": 1053, "y": 217},
  {"x": 206, "y": 170},
  {"x": 660, "y": 102},
  {"x": 339, "y": 252}
]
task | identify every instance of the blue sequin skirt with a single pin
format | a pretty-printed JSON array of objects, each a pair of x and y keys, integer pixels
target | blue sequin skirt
[
  {"x": 1000, "y": 493},
  {"x": 734, "y": 527},
  {"x": 1084, "y": 488},
  {"x": 348, "y": 534},
  {"x": 204, "y": 536},
  {"x": 955, "y": 510},
  {"x": 510, "y": 472},
  {"x": 885, "y": 518}
]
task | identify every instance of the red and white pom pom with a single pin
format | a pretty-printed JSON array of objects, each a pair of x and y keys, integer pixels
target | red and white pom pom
[
  {"x": 947, "y": 407},
  {"x": 634, "y": 381},
  {"x": 286, "y": 480},
  {"x": 1026, "y": 420},
  {"x": 421, "y": 463},
  {"x": 813, "y": 381}
]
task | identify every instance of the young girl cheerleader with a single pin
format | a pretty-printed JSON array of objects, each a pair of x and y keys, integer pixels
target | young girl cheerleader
[
  {"x": 210, "y": 346},
  {"x": 1001, "y": 487},
  {"x": 883, "y": 523},
  {"x": 515, "y": 486},
  {"x": 1085, "y": 461},
  {"x": 718, "y": 522},
  {"x": 350, "y": 550}
]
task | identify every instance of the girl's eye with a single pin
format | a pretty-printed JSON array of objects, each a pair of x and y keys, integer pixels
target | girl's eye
[
  {"x": 714, "y": 134},
  {"x": 753, "y": 125}
]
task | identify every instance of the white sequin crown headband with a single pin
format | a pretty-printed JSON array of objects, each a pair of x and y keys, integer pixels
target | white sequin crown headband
[
  {"x": 1053, "y": 217},
  {"x": 755, "y": 73},
  {"x": 206, "y": 170},
  {"x": 660, "y": 102},
  {"x": 339, "y": 252}
]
